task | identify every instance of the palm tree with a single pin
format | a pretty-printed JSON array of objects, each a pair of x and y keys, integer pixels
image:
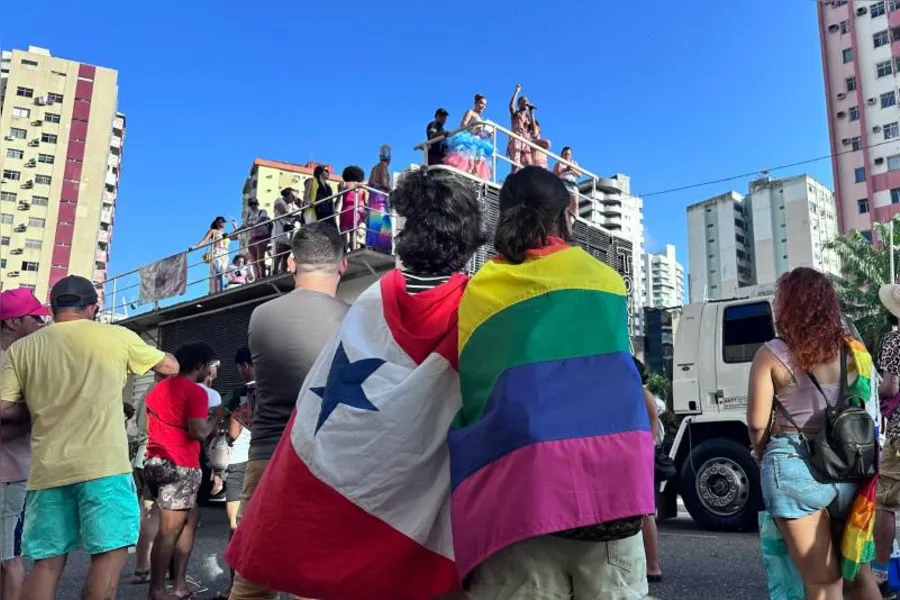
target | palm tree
[{"x": 866, "y": 267}]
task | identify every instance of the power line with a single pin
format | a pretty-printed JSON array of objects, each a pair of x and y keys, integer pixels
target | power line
[{"x": 758, "y": 171}]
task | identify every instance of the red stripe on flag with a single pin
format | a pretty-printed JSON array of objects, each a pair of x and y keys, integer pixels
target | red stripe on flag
[
  {"x": 302, "y": 537},
  {"x": 424, "y": 323}
]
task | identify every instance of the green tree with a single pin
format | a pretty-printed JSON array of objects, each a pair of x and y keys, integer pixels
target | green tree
[{"x": 866, "y": 267}]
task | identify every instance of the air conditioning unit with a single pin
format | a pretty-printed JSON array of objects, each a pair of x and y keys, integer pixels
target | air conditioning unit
[
  {"x": 34, "y": 142},
  {"x": 16, "y": 251},
  {"x": 12, "y": 274},
  {"x": 21, "y": 228},
  {"x": 833, "y": 27},
  {"x": 861, "y": 11},
  {"x": 877, "y": 128},
  {"x": 879, "y": 161},
  {"x": 40, "y": 101},
  {"x": 37, "y": 122},
  {"x": 841, "y": 114},
  {"x": 846, "y": 141},
  {"x": 872, "y": 101},
  {"x": 24, "y": 206},
  {"x": 28, "y": 184},
  {"x": 9, "y": 138},
  {"x": 841, "y": 95},
  {"x": 30, "y": 163}
]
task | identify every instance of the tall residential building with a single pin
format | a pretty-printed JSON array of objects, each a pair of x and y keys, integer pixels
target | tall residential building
[
  {"x": 861, "y": 60},
  {"x": 792, "y": 220},
  {"x": 664, "y": 278},
  {"x": 268, "y": 177},
  {"x": 736, "y": 241},
  {"x": 61, "y": 141},
  {"x": 720, "y": 246},
  {"x": 622, "y": 214}
]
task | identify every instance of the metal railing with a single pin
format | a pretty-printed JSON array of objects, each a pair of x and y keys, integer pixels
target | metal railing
[
  {"x": 122, "y": 292},
  {"x": 586, "y": 180}
]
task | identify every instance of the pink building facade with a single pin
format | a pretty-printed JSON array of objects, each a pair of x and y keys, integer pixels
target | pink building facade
[{"x": 861, "y": 60}]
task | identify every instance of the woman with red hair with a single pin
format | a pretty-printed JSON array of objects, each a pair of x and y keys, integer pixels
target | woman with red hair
[{"x": 802, "y": 370}]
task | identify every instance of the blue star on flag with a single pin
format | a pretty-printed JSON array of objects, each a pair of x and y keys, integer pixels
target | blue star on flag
[{"x": 344, "y": 385}]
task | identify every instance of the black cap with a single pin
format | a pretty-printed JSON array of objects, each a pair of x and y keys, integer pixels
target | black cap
[
  {"x": 73, "y": 292},
  {"x": 441, "y": 111}
]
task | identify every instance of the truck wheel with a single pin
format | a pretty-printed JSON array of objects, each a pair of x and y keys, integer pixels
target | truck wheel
[{"x": 720, "y": 486}]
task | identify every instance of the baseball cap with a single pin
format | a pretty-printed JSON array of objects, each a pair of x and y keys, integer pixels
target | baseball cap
[
  {"x": 20, "y": 303},
  {"x": 72, "y": 291},
  {"x": 441, "y": 111}
]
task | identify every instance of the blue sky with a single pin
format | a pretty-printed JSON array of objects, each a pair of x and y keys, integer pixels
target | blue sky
[{"x": 671, "y": 93}]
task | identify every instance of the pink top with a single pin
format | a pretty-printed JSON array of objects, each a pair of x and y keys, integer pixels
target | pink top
[
  {"x": 801, "y": 398},
  {"x": 15, "y": 456}
]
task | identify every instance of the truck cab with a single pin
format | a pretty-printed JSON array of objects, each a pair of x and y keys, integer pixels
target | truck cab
[{"x": 715, "y": 343}]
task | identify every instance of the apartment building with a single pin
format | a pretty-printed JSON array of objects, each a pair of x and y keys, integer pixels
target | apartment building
[
  {"x": 618, "y": 211},
  {"x": 861, "y": 59},
  {"x": 720, "y": 247},
  {"x": 61, "y": 140},
  {"x": 664, "y": 279},
  {"x": 268, "y": 177},
  {"x": 792, "y": 220},
  {"x": 735, "y": 241}
]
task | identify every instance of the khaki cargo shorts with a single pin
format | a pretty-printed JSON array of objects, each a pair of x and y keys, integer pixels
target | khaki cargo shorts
[{"x": 887, "y": 496}]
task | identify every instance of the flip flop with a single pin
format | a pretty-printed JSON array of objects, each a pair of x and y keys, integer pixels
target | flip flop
[{"x": 141, "y": 577}]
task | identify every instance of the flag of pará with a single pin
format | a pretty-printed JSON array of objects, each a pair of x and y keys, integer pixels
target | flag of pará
[
  {"x": 553, "y": 434},
  {"x": 355, "y": 503}
]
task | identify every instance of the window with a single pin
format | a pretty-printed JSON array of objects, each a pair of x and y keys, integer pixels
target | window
[
  {"x": 13, "y": 153},
  {"x": 8, "y": 196},
  {"x": 893, "y": 5},
  {"x": 19, "y": 134},
  {"x": 48, "y": 159},
  {"x": 845, "y": 26},
  {"x": 863, "y": 205},
  {"x": 33, "y": 244},
  {"x": 847, "y": 54},
  {"x": 859, "y": 174},
  {"x": 895, "y": 196},
  {"x": 837, "y": 3},
  {"x": 888, "y": 99},
  {"x": 20, "y": 113},
  {"x": 868, "y": 235},
  {"x": 881, "y": 38},
  {"x": 854, "y": 113},
  {"x": 40, "y": 200},
  {"x": 2, "y": 263},
  {"x": 24, "y": 92},
  {"x": 891, "y": 130},
  {"x": 11, "y": 175},
  {"x": 29, "y": 64},
  {"x": 740, "y": 239},
  {"x": 54, "y": 97},
  {"x": 710, "y": 225},
  {"x": 893, "y": 162},
  {"x": 48, "y": 138},
  {"x": 855, "y": 143},
  {"x": 895, "y": 34},
  {"x": 28, "y": 265},
  {"x": 4, "y": 241},
  {"x": 745, "y": 328},
  {"x": 6, "y": 219},
  {"x": 51, "y": 117},
  {"x": 42, "y": 179},
  {"x": 883, "y": 69},
  {"x": 35, "y": 222},
  {"x": 877, "y": 9}
]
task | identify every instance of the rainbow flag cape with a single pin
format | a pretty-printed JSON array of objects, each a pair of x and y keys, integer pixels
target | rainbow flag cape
[
  {"x": 553, "y": 433},
  {"x": 858, "y": 541}
]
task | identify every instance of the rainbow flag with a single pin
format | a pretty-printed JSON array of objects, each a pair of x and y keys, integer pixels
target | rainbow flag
[
  {"x": 858, "y": 541},
  {"x": 553, "y": 432}
]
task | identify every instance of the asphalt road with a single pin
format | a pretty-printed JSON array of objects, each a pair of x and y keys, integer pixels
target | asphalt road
[{"x": 696, "y": 564}]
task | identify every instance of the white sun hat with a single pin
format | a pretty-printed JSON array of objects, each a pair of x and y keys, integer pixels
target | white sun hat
[{"x": 890, "y": 298}]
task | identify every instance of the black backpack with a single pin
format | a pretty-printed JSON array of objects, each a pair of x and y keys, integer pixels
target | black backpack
[{"x": 845, "y": 448}]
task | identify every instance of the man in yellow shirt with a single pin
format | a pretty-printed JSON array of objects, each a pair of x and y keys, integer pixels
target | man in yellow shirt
[{"x": 69, "y": 378}]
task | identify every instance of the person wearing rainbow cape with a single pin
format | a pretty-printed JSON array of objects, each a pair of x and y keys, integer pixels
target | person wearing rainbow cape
[
  {"x": 551, "y": 454},
  {"x": 827, "y": 525}
]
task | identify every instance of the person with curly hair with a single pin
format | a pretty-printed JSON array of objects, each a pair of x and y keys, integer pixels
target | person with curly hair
[{"x": 801, "y": 370}]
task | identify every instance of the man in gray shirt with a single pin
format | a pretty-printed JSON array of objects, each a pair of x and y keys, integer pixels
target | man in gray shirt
[{"x": 286, "y": 336}]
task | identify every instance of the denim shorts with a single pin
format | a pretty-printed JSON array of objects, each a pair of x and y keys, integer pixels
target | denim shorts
[{"x": 789, "y": 489}]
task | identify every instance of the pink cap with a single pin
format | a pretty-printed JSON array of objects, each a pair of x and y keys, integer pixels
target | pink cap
[{"x": 20, "y": 302}]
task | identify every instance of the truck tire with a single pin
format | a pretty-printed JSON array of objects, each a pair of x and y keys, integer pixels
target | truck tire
[{"x": 720, "y": 487}]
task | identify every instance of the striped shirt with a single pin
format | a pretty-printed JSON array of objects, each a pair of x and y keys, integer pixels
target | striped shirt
[{"x": 422, "y": 283}]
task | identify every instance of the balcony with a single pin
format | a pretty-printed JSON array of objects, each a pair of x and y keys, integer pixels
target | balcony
[
  {"x": 101, "y": 255},
  {"x": 113, "y": 160},
  {"x": 115, "y": 142},
  {"x": 109, "y": 197},
  {"x": 106, "y": 215},
  {"x": 111, "y": 178},
  {"x": 99, "y": 275},
  {"x": 103, "y": 236},
  {"x": 119, "y": 123}
]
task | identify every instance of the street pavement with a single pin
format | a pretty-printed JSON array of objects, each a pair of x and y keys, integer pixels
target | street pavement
[{"x": 696, "y": 563}]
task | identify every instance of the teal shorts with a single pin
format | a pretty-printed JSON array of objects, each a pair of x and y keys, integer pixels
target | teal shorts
[{"x": 99, "y": 515}]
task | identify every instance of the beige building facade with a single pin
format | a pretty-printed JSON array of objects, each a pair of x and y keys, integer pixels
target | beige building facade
[{"x": 61, "y": 140}]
